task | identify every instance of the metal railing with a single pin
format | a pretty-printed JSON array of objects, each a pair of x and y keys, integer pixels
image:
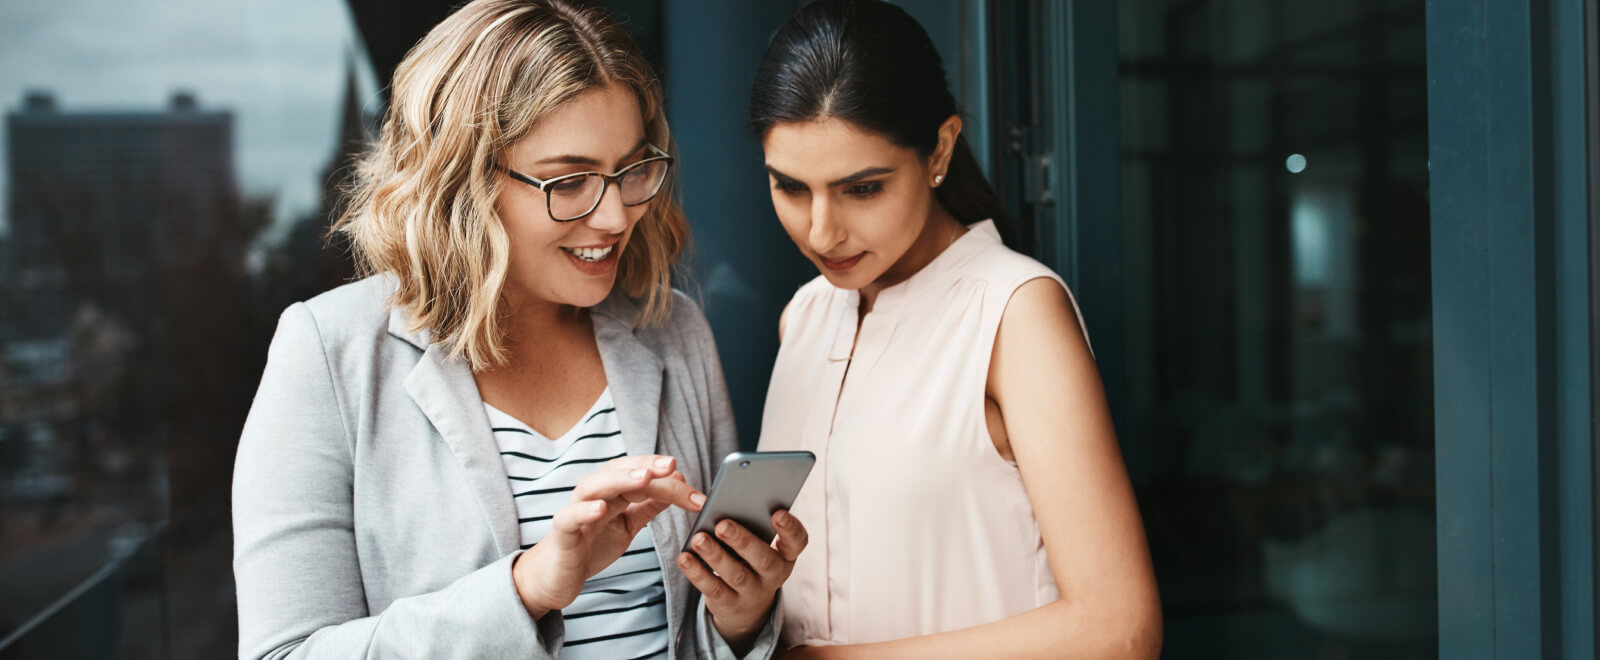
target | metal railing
[{"x": 88, "y": 621}]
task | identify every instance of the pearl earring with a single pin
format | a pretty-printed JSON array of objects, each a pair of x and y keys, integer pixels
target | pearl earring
[{"x": 938, "y": 179}]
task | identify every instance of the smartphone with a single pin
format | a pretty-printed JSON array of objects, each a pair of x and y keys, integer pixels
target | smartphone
[{"x": 750, "y": 487}]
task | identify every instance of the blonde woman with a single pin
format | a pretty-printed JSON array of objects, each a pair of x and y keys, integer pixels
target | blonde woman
[{"x": 491, "y": 446}]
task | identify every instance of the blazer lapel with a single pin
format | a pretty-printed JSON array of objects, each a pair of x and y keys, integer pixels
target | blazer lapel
[
  {"x": 633, "y": 372},
  {"x": 445, "y": 391}
]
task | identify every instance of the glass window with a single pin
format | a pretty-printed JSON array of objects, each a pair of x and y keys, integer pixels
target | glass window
[
  {"x": 1274, "y": 173},
  {"x": 169, "y": 170}
]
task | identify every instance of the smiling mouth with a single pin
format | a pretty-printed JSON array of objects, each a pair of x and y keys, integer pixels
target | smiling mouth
[
  {"x": 591, "y": 255},
  {"x": 841, "y": 264}
]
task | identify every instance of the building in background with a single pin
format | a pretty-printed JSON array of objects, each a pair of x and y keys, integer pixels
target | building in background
[
  {"x": 126, "y": 316},
  {"x": 117, "y": 222}
]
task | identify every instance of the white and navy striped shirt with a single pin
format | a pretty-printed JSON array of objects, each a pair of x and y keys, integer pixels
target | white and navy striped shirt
[{"x": 622, "y": 612}]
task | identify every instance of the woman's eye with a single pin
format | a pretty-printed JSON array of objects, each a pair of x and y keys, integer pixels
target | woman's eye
[
  {"x": 863, "y": 189},
  {"x": 790, "y": 187},
  {"x": 567, "y": 186}
]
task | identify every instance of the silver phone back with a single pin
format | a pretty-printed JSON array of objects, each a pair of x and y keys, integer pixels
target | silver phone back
[{"x": 751, "y": 486}]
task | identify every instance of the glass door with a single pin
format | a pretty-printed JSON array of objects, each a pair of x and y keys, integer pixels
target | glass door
[{"x": 1268, "y": 305}]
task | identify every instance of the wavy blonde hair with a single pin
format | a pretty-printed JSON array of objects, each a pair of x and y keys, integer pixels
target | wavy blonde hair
[{"x": 422, "y": 203}]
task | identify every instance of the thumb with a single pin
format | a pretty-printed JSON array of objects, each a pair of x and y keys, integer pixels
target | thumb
[
  {"x": 640, "y": 514},
  {"x": 568, "y": 527}
]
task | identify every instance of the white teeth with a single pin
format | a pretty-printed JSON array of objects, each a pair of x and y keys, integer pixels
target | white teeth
[{"x": 591, "y": 254}]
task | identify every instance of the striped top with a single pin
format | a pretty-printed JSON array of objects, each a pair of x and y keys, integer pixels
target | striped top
[{"x": 622, "y": 612}]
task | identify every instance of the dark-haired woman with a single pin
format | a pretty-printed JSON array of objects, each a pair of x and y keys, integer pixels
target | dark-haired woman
[{"x": 969, "y": 500}]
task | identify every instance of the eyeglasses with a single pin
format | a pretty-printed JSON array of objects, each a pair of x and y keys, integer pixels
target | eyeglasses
[{"x": 573, "y": 196}]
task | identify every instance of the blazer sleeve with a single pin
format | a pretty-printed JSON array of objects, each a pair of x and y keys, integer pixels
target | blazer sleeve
[
  {"x": 724, "y": 440},
  {"x": 299, "y": 581}
]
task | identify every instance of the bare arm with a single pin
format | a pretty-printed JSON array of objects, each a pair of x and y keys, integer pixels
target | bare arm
[{"x": 1045, "y": 382}]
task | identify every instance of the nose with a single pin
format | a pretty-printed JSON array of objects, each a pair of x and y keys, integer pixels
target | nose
[
  {"x": 610, "y": 216},
  {"x": 826, "y": 231}
]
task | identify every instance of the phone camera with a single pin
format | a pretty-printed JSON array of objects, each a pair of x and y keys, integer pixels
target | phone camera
[{"x": 744, "y": 464}]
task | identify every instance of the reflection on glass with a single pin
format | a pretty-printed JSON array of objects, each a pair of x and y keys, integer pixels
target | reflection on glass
[
  {"x": 169, "y": 169},
  {"x": 1275, "y": 180}
]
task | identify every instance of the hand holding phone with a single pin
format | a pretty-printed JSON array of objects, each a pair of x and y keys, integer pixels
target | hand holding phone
[
  {"x": 750, "y": 487},
  {"x": 735, "y": 563}
]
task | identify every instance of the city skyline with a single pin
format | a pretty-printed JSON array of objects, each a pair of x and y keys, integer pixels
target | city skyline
[{"x": 279, "y": 67}]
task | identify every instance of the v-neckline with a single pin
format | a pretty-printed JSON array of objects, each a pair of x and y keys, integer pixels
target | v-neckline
[{"x": 566, "y": 437}]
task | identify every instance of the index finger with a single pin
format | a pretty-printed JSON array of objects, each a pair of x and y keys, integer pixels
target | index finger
[
  {"x": 672, "y": 489},
  {"x": 658, "y": 465}
]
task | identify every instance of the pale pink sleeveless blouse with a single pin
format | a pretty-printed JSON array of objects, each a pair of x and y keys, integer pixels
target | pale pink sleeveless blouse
[{"x": 917, "y": 524}]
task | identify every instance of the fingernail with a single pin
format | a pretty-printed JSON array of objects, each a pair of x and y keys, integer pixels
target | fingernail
[
  {"x": 698, "y": 499},
  {"x": 683, "y": 559},
  {"x": 597, "y": 507},
  {"x": 783, "y": 518},
  {"x": 637, "y": 474},
  {"x": 664, "y": 462},
  {"x": 700, "y": 541},
  {"x": 724, "y": 529}
]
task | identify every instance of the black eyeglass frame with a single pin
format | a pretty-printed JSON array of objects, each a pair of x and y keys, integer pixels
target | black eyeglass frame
[{"x": 606, "y": 180}]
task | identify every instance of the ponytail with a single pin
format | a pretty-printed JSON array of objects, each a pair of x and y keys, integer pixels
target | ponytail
[{"x": 967, "y": 195}]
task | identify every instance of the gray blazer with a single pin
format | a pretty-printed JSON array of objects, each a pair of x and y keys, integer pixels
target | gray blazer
[{"x": 372, "y": 514}]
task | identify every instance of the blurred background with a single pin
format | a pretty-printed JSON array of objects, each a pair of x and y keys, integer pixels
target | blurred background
[{"x": 1236, "y": 189}]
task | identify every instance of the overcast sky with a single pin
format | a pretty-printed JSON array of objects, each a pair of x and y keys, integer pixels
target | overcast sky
[{"x": 278, "y": 65}]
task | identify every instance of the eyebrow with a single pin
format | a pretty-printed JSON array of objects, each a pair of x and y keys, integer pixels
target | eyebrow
[
  {"x": 574, "y": 159},
  {"x": 862, "y": 174}
]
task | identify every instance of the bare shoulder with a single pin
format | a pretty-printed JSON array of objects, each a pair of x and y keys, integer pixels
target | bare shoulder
[
  {"x": 1039, "y": 313},
  {"x": 1040, "y": 344}
]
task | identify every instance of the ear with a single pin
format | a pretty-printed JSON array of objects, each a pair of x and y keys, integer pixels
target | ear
[{"x": 939, "y": 165}]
